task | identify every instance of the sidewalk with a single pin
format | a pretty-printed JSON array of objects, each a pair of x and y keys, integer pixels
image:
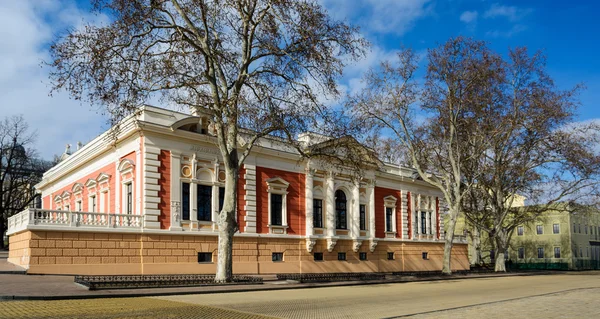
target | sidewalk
[
  {"x": 8, "y": 268},
  {"x": 50, "y": 287}
]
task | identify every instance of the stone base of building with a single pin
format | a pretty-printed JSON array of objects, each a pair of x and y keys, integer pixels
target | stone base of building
[{"x": 93, "y": 253}]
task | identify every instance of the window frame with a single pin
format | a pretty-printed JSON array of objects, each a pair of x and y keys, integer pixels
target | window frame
[
  {"x": 521, "y": 253},
  {"x": 539, "y": 229},
  {"x": 207, "y": 200},
  {"x": 277, "y": 186},
  {"x": 390, "y": 255},
  {"x": 317, "y": 213},
  {"x": 555, "y": 228},
  {"x": 362, "y": 220},
  {"x": 362, "y": 256},
  {"x": 540, "y": 250},
  {"x": 520, "y": 230},
  {"x": 320, "y": 258},
  {"x": 205, "y": 254},
  {"x": 341, "y": 212},
  {"x": 342, "y": 256},
  {"x": 557, "y": 249},
  {"x": 389, "y": 205},
  {"x": 277, "y": 257}
]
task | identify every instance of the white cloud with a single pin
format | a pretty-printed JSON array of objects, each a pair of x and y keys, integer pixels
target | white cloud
[
  {"x": 26, "y": 28},
  {"x": 469, "y": 16},
  {"x": 511, "y": 13},
  {"x": 517, "y": 28},
  {"x": 383, "y": 16}
]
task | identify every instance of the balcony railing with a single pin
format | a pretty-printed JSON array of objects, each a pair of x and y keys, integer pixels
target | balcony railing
[{"x": 61, "y": 218}]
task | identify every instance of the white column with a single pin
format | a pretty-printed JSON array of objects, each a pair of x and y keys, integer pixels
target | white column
[
  {"x": 371, "y": 199},
  {"x": 193, "y": 204},
  {"x": 138, "y": 182},
  {"x": 418, "y": 214},
  {"x": 355, "y": 216},
  {"x": 175, "y": 192},
  {"x": 330, "y": 212},
  {"x": 308, "y": 195},
  {"x": 117, "y": 189}
]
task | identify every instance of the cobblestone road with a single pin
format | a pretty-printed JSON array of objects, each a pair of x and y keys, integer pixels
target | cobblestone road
[
  {"x": 125, "y": 308},
  {"x": 507, "y": 297}
]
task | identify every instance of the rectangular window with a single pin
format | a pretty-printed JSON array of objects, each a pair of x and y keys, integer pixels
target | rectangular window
[
  {"x": 93, "y": 201},
  {"x": 586, "y": 229},
  {"x": 204, "y": 202},
  {"x": 341, "y": 256},
  {"x": 67, "y": 207},
  {"x": 221, "y": 198},
  {"x": 318, "y": 213},
  {"x": 492, "y": 254},
  {"x": 362, "y": 256},
  {"x": 575, "y": 251},
  {"x": 555, "y": 229},
  {"x": 185, "y": 201},
  {"x": 277, "y": 257},
  {"x": 579, "y": 228},
  {"x": 574, "y": 228},
  {"x": 276, "y": 209},
  {"x": 540, "y": 252},
  {"x": 521, "y": 252},
  {"x": 390, "y": 255},
  {"x": 423, "y": 223},
  {"x": 581, "y": 252},
  {"x": 318, "y": 256},
  {"x": 363, "y": 217},
  {"x": 539, "y": 229},
  {"x": 556, "y": 252},
  {"x": 78, "y": 205},
  {"x": 129, "y": 198},
  {"x": 520, "y": 231},
  {"x": 388, "y": 219},
  {"x": 424, "y": 255},
  {"x": 204, "y": 257}
]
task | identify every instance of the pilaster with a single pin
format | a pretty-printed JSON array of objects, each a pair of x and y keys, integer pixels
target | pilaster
[
  {"x": 250, "y": 198},
  {"x": 151, "y": 187}
]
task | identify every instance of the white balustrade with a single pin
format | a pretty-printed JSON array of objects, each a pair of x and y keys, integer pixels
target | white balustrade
[{"x": 72, "y": 219}]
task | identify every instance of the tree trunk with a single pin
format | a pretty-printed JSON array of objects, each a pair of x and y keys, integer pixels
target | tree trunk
[
  {"x": 501, "y": 247},
  {"x": 3, "y": 224},
  {"x": 227, "y": 225},
  {"x": 449, "y": 238},
  {"x": 475, "y": 246}
]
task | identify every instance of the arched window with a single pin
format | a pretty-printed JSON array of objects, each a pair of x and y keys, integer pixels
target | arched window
[{"x": 340, "y": 210}]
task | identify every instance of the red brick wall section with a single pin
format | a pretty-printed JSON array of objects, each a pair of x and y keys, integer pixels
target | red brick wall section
[
  {"x": 165, "y": 189},
  {"x": 108, "y": 169},
  {"x": 380, "y": 193},
  {"x": 437, "y": 215},
  {"x": 241, "y": 201},
  {"x": 409, "y": 215},
  {"x": 295, "y": 200}
]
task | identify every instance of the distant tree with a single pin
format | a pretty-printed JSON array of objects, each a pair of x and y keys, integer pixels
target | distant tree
[
  {"x": 20, "y": 168},
  {"x": 533, "y": 150},
  {"x": 440, "y": 145},
  {"x": 258, "y": 67}
]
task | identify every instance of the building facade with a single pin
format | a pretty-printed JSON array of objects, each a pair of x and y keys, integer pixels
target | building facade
[
  {"x": 567, "y": 238},
  {"x": 144, "y": 199}
]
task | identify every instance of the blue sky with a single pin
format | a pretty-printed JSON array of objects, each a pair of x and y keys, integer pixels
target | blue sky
[{"x": 567, "y": 31}]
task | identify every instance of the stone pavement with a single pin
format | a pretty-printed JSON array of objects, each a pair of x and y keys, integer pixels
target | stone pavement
[
  {"x": 8, "y": 268},
  {"x": 570, "y": 304},
  {"x": 397, "y": 300},
  {"x": 115, "y": 308}
]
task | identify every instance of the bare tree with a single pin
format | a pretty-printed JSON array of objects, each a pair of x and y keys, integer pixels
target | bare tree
[
  {"x": 20, "y": 168},
  {"x": 260, "y": 65},
  {"x": 441, "y": 144},
  {"x": 533, "y": 150}
]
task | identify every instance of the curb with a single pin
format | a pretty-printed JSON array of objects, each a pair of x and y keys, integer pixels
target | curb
[{"x": 271, "y": 288}]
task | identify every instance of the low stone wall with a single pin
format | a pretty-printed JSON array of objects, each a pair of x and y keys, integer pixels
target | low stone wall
[{"x": 87, "y": 253}]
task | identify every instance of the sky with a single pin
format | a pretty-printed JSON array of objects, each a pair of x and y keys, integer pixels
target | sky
[{"x": 568, "y": 32}]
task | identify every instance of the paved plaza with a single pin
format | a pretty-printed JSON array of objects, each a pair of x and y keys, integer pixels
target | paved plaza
[{"x": 569, "y": 295}]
